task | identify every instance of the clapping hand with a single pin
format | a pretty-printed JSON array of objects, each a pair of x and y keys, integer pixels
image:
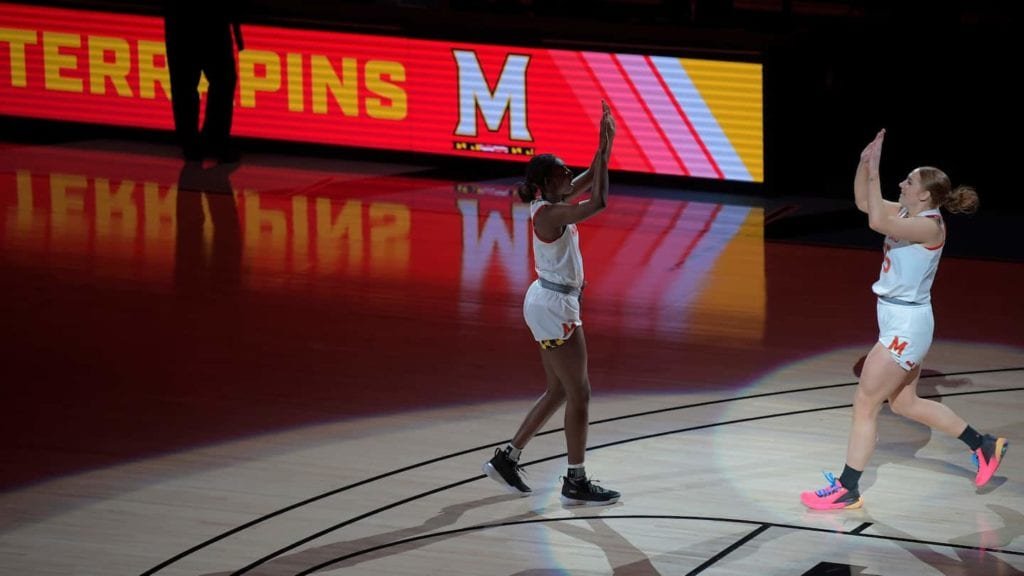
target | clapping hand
[
  {"x": 872, "y": 153},
  {"x": 607, "y": 128}
]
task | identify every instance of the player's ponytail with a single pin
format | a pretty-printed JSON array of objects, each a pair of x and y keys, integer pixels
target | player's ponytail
[
  {"x": 527, "y": 191},
  {"x": 962, "y": 200}
]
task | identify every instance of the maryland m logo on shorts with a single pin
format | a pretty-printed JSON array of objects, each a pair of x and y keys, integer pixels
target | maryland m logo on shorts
[{"x": 897, "y": 346}]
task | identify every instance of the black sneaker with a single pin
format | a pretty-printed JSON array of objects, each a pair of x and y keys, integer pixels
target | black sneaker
[
  {"x": 506, "y": 471},
  {"x": 584, "y": 492}
]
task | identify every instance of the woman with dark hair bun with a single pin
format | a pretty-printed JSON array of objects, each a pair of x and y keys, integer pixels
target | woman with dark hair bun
[
  {"x": 914, "y": 236},
  {"x": 552, "y": 312}
]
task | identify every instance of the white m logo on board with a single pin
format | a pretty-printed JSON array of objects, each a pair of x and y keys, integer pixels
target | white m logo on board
[{"x": 509, "y": 95}]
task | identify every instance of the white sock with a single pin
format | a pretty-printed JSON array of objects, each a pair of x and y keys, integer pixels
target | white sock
[
  {"x": 513, "y": 452},
  {"x": 576, "y": 471}
]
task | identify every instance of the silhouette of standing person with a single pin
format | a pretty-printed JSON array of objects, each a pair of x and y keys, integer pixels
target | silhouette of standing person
[
  {"x": 206, "y": 263},
  {"x": 201, "y": 39}
]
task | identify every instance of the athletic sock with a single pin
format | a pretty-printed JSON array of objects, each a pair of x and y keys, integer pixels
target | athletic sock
[
  {"x": 971, "y": 437},
  {"x": 512, "y": 452},
  {"x": 576, "y": 472},
  {"x": 850, "y": 477}
]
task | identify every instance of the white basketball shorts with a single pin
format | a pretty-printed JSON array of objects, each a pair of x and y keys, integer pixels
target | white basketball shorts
[
  {"x": 906, "y": 332},
  {"x": 551, "y": 316}
]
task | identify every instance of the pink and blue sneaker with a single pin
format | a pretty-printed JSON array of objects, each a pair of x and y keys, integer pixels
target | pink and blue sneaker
[{"x": 832, "y": 497}]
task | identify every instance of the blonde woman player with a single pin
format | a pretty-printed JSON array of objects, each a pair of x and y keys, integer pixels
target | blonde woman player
[
  {"x": 914, "y": 236},
  {"x": 552, "y": 312}
]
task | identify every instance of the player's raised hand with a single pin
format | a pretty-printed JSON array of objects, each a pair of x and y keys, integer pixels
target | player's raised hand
[{"x": 607, "y": 127}]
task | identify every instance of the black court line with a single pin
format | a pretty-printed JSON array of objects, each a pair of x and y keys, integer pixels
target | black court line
[
  {"x": 861, "y": 528},
  {"x": 450, "y": 455},
  {"x": 762, "y": 526},
  {"x": 714, "y": 559},
  {"x": 365, "y": 515}
]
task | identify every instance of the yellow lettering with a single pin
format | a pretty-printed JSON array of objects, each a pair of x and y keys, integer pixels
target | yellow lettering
[
  {"x": 204, "y": 202},
  {"x": 159, "y": 209},
  {"x": 300, "y": 229},
  {"x": 264, "y": 229},
  {"x": 122, "y": 203},
  {"x": 54, "y": 62},
  {"x": 100, "y": 70},
  {"x": 392, "y": 102},
  {"x": 151, "y": 74},
  {"x": 16, "y": 41},
  {"x": 296, "y": 98},
  {"x": 345, "y": 89},
  {"x": 249, "y": 82},
  {"x": 389, "y": 237},
  {"x": 329, "y": 235},
  {"x": 159, "y": 219},
  {"x": 67, "y": 197},
  {"x": 25, "y": 209}
]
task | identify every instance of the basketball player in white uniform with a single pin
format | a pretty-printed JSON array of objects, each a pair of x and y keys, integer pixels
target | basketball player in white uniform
[
  {"x": 914, "y": 236},
  {"x": 552, "y": 312}
]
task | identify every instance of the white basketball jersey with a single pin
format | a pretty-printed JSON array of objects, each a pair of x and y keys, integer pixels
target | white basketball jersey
[
  {"x": 908, "y": 268},
  {"x": 559, "y": 261}
]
